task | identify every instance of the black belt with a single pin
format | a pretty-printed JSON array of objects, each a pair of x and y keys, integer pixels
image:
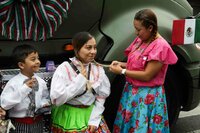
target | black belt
[
  {"x": 78, "y": 106},
  {"x": 92, "y": 90}
]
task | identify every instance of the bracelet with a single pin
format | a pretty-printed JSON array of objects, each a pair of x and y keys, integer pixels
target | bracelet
[{"x": 123, "y": 71}]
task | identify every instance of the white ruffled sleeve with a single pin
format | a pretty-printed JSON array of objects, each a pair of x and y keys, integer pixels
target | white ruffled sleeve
[
  {"x": 14, "y": 93},
  {"x": 102, "y": 88},
  {"x": 64, "y": 85}
]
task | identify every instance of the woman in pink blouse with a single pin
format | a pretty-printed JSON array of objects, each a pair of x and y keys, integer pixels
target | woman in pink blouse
[{"x": 143, "y": 105}]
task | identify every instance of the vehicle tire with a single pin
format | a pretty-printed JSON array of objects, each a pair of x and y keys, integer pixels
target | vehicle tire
[{"x": 173, "y": 95}]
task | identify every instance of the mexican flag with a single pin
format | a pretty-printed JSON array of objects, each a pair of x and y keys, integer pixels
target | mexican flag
[{"x": 186, "y": 31}]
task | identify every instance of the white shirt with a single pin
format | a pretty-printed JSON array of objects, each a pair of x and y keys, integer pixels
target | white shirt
[
  {"x": 15, "y": 96},
  {"x": 66, "y": 84}
]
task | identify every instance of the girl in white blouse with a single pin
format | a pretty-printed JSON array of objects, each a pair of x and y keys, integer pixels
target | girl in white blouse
[{"x": 79, "y": 89}]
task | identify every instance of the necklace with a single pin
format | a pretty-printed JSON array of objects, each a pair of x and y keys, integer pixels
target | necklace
[
  {"x": 138, "y": 46},
  {"x": 141, "y": 50}
]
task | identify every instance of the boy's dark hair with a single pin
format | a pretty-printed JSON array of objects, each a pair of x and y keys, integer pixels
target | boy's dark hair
[{"x": 20, "y": 52}]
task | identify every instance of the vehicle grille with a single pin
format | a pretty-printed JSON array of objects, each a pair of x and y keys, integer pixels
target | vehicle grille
[{"x": 7, "y": 74}]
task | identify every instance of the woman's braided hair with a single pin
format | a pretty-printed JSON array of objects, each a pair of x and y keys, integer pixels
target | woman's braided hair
[{"x": 148, "y": 17}]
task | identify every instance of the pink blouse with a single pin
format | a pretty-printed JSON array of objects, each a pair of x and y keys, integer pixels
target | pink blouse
[{"x": 158, "y": 50}]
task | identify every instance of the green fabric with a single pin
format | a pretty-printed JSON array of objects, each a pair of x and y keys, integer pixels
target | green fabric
[{"x": 70, "y": 118}]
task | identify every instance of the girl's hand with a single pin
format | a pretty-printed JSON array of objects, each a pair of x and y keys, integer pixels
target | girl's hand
[{"x": 92, "y": 128}]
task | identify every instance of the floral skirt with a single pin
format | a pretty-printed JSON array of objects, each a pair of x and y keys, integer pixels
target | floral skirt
[
  {"x": 142, "y": 110},
  {"x": 68, "y": 119}
]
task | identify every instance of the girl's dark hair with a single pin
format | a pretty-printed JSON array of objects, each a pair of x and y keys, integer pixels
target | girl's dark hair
[
  {"x": 147, "y": 17},
  {"x": 79, "y": 40},
  {"x": 20, "y": 53}
]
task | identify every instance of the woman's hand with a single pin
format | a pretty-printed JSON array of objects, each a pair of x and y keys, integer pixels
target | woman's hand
[
  {"x": 115, "y": 67},
  {"x": 122, "y": 64},
  {"x": 115, "y": 63},
  {"x": 92, "y": 128}
]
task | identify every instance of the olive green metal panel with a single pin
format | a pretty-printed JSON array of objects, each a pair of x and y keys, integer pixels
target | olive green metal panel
[
  {"x": 118, "y": 20},
  {"x": 190, "y": 52}
]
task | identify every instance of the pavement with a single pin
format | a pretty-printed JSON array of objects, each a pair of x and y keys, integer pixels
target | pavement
[{"x": 188, "y": 122}]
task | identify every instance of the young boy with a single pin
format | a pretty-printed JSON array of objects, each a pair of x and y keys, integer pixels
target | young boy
[{"x": 26, "y": 92}]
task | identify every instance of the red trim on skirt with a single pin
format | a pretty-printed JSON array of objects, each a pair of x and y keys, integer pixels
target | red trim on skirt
[
  {"x": 28, "y": 120},
  {"x": 103, "y": 128}
]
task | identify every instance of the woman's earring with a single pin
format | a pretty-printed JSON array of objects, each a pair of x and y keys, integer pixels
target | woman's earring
[{"x": 150, "y": 28}]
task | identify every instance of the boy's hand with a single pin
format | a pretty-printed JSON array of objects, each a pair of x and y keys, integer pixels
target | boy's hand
[
  {"x": 2, "y": 113},
  {"x": 46, "y": 105},
  {"x": 31, "y": 82}
]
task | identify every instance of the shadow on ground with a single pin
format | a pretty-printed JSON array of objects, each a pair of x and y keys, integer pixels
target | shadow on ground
[{"x": 190, "y": 124}]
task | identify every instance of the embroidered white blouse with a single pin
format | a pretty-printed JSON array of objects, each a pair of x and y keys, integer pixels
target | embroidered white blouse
[
  {"x": 66, "y": 84},
  {"x": 15, "y": 96}
]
